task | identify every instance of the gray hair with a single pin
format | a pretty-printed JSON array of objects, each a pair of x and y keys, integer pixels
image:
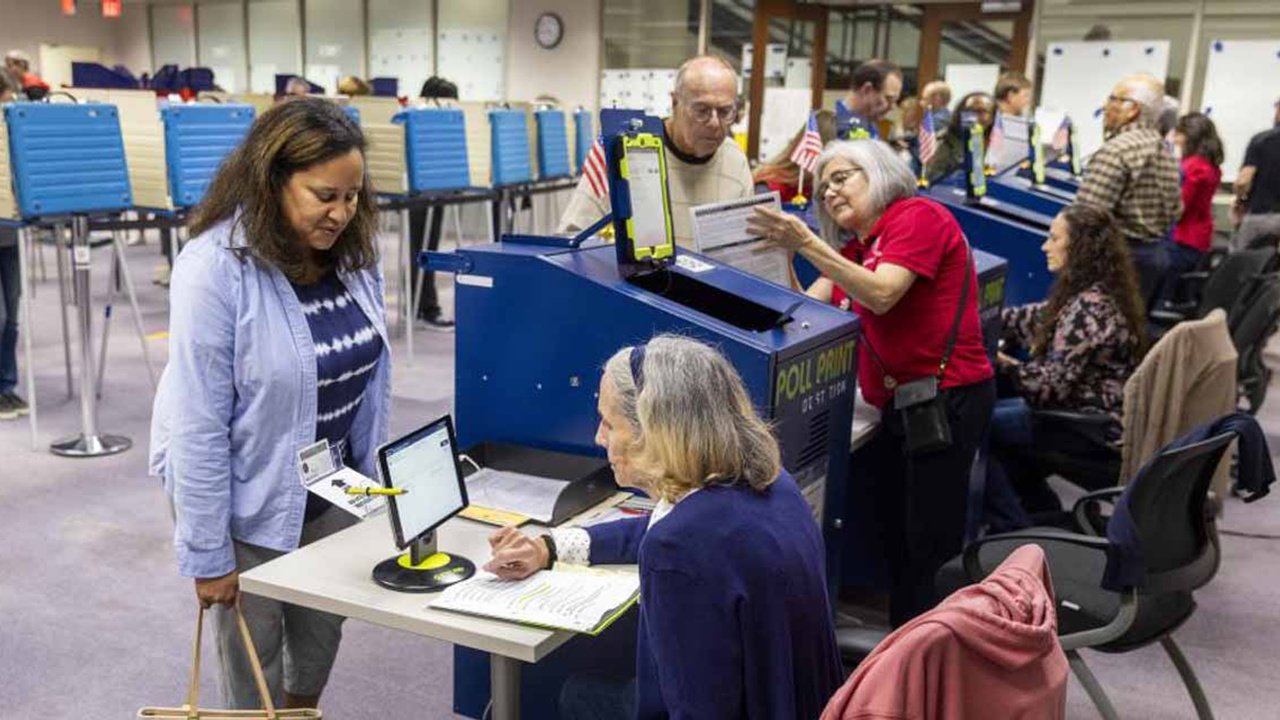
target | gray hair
[
  {"x": 693, "y": 421},
  {"x": 682, "y": 74},
  {"x": 1148, "y": 93},
  {"x": 889, "y": 179}
]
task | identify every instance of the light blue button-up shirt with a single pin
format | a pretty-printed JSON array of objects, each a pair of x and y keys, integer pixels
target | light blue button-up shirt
[{"x": 237, "y": 401}]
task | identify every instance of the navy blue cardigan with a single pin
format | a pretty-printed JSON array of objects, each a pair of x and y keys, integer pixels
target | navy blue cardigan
[{"x": 734, "y": 616}]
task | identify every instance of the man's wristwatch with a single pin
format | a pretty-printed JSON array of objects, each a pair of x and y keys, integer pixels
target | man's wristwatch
[{"x": 551, "y": 550}]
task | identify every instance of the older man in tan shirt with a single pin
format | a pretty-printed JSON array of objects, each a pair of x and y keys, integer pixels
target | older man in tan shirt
[{"x": 703, "y": 164}]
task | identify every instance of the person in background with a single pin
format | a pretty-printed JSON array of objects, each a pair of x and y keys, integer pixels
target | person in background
[
  {"x": 1257, "y": 189},
  {"x": 901, "y": 262},
  {"x": 936, "y": 96},
  {"x": 949, "y": 156},
  {"x": 874, "y": 91},
  {"x": 734, "y": 620},
  {"x": 906, "y": 138},
  {"x": 704, "y": 165},
  {"x": 1135, "y": 177},
  {"x": 1072, "y": 352},
  {"x": 428, "y": 313},
  {"x": 1013, "y": 95},
  {"x": 11, "y": 405},
  {"x": 277, "y": 339},
  {"x": 297, "y": 86},
  {"x": 18, "y": 64},
  {"x": 782, "y": 173},
  {"x": 1197, "y": 142},
  {"x": 352, "y": 86}
]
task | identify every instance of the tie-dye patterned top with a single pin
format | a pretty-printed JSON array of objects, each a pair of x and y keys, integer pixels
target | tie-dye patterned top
[
  {"x": 347, "y": 352},
  {"x": 1090, "y": 356}
]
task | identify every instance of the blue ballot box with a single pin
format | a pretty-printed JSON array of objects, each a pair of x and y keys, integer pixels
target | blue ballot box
[
  {"x": 197, "y": 138},
  {"x": 67, "y": 158}
]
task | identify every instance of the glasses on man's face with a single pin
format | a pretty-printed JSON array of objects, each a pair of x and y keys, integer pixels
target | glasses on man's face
[
  {"x": 703, "y": 113},
  {"x": 837, "y": 180},
  {"x": 1117, "y": 99}
]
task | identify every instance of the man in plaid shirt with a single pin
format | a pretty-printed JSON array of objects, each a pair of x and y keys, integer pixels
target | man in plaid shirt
[{"x": 1135, "y": 176}]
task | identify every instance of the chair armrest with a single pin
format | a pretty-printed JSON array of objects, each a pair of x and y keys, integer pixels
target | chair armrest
[
  {"x": 1081, "y": 510},
  {"x": 1093, "y": 427},
  {"x": 1168, "y": 316}
]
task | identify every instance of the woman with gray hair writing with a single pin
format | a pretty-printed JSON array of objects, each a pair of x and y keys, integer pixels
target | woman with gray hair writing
[
  {"x": 734, "y": 616},
  {"x": 903, "y": 265}
]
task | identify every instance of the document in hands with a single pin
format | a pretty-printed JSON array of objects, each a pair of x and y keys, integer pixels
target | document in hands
[
  {"x": 583, "y": 601},
  {"x": 720, "y": 232}
]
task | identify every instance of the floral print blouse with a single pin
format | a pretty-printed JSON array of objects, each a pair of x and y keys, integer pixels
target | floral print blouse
[{"x": 1091, "y": 355}]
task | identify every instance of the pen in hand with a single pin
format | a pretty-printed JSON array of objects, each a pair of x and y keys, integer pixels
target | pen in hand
[{"x": 376, "y": 491}]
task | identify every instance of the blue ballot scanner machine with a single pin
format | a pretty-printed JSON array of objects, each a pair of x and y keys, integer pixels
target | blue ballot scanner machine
[
  {"x": 1000, "y": 227},
  {"x": 538, "y": 316},
  {"x": 197, "y": 138}
]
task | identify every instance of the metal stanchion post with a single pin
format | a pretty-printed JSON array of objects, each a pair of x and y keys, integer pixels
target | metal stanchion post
[
  {"x": 88, "y": 443},
  {"x": 406, "y": 282},
  {"x": 23, "y": 257},
  {"x": 61, "y": 263}
]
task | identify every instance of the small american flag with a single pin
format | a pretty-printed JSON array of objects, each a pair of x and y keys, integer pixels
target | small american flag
[
  {"x": 596, "y": 172},
  {"x": 1062, "y": 135},
  {"x": 928, "y": 142},
  {"x": 810, "y": 146}
]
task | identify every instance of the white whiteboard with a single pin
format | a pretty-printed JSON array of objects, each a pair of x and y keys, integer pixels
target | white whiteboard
[
  {"x": 1078, "y": 77},
  {"x": 647, "y": 89},
  {"x": 474, "y": 59},
  {"x": 786, "y": 112},
  {"x": 1240, "y": 109},
  {"x": 965, "y": 78}
]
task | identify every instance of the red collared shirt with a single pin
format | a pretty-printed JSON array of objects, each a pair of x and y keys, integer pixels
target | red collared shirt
[{"x": 921, "y": 236}]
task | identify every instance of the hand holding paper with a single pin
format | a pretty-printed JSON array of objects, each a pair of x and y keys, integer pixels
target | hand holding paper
[{"x": 779, "y": 229}]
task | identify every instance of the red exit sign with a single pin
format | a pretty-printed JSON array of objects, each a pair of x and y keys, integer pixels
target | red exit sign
[{"x": 111, "y": 8}]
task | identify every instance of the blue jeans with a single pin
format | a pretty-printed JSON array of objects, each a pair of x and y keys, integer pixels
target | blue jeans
[
  {"x": 1010, "y": 428},
  {"x": 10, "y": 292},
  {"x": 593, "y": 697},
  {"x": 1151, "y": 264},
  {"x": 1182, "y": 259}
]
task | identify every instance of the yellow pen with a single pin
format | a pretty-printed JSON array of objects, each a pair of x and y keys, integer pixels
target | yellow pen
[{"x": 376, "y": 491}]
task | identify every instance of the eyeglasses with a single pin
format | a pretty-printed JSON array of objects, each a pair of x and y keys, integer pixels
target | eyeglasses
[
  {"x": 1118, "y": 99},
  {"x": 703, "y": 113},
  {"x": 837, "y": 180}
]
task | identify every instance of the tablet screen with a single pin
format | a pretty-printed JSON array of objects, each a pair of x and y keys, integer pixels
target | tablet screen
[
  {"x": 648, "y": 207},
  {"x": 423, "y": 462}
]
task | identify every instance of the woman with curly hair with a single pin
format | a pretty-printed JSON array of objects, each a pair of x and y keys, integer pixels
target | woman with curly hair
[{"x": 1077, "y": 349}]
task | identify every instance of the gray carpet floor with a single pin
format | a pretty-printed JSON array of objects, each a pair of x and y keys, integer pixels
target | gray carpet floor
[{"x": 95, "y": 622}]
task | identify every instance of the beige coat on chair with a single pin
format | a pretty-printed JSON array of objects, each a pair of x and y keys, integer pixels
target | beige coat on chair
[{"x": 1186, "y": 380}]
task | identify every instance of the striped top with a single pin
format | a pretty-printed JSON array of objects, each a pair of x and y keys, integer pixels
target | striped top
[{"x": 347, "y": 352}]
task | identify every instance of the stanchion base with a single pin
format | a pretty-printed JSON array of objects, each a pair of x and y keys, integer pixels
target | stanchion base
[{"x": 90, "y": 445}]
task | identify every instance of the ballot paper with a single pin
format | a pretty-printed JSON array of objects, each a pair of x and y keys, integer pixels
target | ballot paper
[
  {"x": 583, "y": 601},
  {"x": 529, "y": 495},
  {"x": 720, "y": 232}
]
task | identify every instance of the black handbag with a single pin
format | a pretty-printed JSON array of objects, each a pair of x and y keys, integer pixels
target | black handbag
[{"x": 920, "y": 405}]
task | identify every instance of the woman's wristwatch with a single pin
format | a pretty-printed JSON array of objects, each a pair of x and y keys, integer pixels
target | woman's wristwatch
[{"x": 551, "y": 550}]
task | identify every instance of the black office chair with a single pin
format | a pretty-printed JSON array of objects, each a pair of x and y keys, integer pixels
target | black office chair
[
  {"x": 1253, "y": 321},
  {"x": 1222, "y": 287},
  {"x": 1168, "y": 505}
]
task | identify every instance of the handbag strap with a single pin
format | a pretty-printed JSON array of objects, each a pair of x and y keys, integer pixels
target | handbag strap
[
  {"x": 193, "y": 688},
  {"x": 955, "y": 324}
]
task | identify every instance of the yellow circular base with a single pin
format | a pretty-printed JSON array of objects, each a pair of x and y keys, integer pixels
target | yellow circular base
[{"x": 432, "y": 562}]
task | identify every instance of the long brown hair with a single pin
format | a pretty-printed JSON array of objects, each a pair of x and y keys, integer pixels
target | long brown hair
[
  {"x": 1096, "y": 253},
  {"x": 292, "y": 136},
  {"x": 1201, "y": 137}
]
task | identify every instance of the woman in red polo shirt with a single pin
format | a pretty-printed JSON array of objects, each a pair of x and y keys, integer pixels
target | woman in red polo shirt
[{"x": 901, "y": 263}]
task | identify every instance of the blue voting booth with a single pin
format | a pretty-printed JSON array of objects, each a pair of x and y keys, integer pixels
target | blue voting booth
[
  {"x": 435, "y": 149},
  {"x": 510, "y": 142},
  {"x": 67, "y": 158},
  {"x": 197, "y": 138},
  {"x": 539, "y": 316},
  {"x": 583, "y": 138},
  {"x": 553, "y": 145}
]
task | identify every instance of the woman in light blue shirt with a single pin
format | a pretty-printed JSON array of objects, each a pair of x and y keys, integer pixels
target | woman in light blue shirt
[{"x": 277, "y": 338}]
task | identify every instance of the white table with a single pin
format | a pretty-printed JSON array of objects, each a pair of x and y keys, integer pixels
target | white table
[{"x": 335, "y": 575}]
